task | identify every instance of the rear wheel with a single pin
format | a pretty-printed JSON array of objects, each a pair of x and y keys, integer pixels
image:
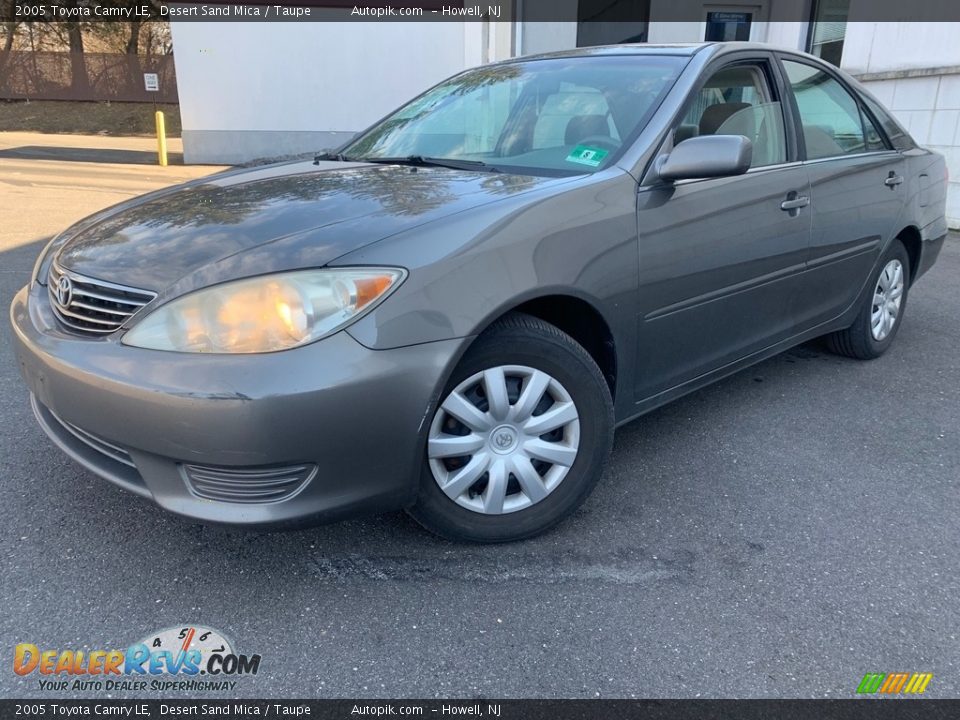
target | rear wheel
[
  {"x": 882, "y": 311},
  {"x": 520, "y": 437}
]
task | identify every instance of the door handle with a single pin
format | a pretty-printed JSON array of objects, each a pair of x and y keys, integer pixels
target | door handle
[
  {"x": 893, "y": 180},
  {"x": 795, "y": 203}
]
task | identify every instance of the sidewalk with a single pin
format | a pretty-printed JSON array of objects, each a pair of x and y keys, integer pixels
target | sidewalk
[{"x": 48, "y": 182}]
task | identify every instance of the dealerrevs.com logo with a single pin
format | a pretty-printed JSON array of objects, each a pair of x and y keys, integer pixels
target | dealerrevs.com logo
[
  {"x": 894, "y": 683},
  {"x": 189, "y": 658}
]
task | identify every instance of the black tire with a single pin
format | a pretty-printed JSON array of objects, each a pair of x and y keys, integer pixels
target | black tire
[
  {"x": 857, "y": 341},
  {"x": 519, "y": 339}
]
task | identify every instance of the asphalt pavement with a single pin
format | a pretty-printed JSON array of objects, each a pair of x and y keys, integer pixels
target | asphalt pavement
[{"x": 778, "y": 534}]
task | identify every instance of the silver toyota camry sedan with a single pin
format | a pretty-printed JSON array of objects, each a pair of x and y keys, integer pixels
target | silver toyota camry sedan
[{"x": 452, "y": 313}]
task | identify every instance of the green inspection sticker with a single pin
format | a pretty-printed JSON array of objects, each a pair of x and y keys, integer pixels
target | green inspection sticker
[{"x": 585, "y": 155}]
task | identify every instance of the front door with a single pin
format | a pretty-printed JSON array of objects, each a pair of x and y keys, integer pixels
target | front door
[{"x": 720, "y": 258}]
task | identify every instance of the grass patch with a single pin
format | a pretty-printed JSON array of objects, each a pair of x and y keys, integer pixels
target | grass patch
[{"x": 86, "y": 118}]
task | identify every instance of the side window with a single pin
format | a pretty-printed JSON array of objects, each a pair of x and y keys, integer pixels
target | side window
[
  {"x": 899, "y": 139},
  {"x": 832, "y": 122},
  {"x": 736, "y": 100},
  {"x": 873, "y": 137}
]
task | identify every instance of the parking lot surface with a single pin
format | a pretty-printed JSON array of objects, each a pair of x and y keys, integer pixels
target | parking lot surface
[
  {"x": 778, "y": 534},
  {"x": 48, "y": 182}
]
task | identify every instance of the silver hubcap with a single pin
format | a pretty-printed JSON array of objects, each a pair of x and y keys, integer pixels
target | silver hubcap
[
  {"x": 503, "y": 439},
  {"x": 886, "y": 300}
]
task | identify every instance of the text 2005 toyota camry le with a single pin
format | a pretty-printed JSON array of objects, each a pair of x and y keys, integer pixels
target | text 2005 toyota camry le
[{"x": 453, "y": 312}]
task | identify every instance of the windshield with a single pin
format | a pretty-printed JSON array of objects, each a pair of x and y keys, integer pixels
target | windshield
[{"x": 561, "y": 116}]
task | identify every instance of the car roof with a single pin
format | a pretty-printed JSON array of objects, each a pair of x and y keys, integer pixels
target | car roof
[
  {"x": 683, "y": 49},
  {"x": 640, "y": 49}
]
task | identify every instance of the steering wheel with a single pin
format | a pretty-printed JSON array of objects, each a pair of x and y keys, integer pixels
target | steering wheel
[{"x": 604, "y": 141}]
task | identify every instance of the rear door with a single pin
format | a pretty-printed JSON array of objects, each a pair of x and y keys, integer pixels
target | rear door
[
  {"x": 721, "y": 258},
  {"x": 857, "y": 191}
]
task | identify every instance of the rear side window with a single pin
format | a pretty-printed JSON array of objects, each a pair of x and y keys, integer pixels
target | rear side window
[
  {"x": 873, "y": 137},
  {"x": 832, "y": 122},
  {"x": 898, "y": 138}
]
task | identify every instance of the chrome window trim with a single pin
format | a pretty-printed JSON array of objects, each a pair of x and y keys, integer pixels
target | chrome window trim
[{"x": 848, "y": 156}]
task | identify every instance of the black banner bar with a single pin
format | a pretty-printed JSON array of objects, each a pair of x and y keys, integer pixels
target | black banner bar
[
  {"x": 854, "y": 709},
  {"x": 444, "y": 10}
]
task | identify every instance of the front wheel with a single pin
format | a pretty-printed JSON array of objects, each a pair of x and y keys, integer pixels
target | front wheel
[
  {"x": 882, "y": 311},
  {"x": 520, "y": 437}
]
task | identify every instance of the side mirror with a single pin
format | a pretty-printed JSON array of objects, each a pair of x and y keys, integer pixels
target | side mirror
[{"x": 707, "y": 156}]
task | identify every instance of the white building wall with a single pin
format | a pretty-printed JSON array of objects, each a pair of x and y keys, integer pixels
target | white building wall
[
  {"x": 914, "y": 70},
  {"x": 674, "y": 32},
  {"x": 792, "y": 35},
  {"x": 880, "y": 46},
  {"x": 267, "y": 90},
  {"x": 542, "y": 37}
]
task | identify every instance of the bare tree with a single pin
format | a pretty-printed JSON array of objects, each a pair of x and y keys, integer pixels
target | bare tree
[
  {"x": 8, "y": 25},
  {"x": 9, "y": 33},
  {"x": 132, "y": 41},
  {"x": 79, "y": 81}
]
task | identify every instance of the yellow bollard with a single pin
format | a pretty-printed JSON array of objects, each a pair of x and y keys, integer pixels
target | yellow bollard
[{"x": 161, "y": 140}]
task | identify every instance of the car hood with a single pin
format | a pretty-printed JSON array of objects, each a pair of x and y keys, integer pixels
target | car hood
[{"x": 309, "y": 213}]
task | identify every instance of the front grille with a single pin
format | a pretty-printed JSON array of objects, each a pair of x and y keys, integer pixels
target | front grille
[
  {"x": 248, "y": 485},
  {"x": 92, "y": 306},
  {"x": 114, "y": 452}
]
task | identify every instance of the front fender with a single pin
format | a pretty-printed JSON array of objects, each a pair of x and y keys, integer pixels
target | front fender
[{"x": 469, "y": 269}]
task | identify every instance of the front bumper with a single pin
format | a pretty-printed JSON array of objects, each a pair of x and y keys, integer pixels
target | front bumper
[{"x": 354, "y": 417}]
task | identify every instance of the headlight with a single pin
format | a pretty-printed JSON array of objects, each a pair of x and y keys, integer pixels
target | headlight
[{"x": 265, "y": 314}]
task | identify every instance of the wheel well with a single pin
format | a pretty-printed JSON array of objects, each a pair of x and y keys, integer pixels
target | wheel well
[
  {"x": 581, "y": 321},
  {"x": 910, "y": 237}
]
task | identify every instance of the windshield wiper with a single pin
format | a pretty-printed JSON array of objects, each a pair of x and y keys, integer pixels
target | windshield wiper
[
  {"x": 422, "y": 161},
  {"x": 339, "y": 157}
]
